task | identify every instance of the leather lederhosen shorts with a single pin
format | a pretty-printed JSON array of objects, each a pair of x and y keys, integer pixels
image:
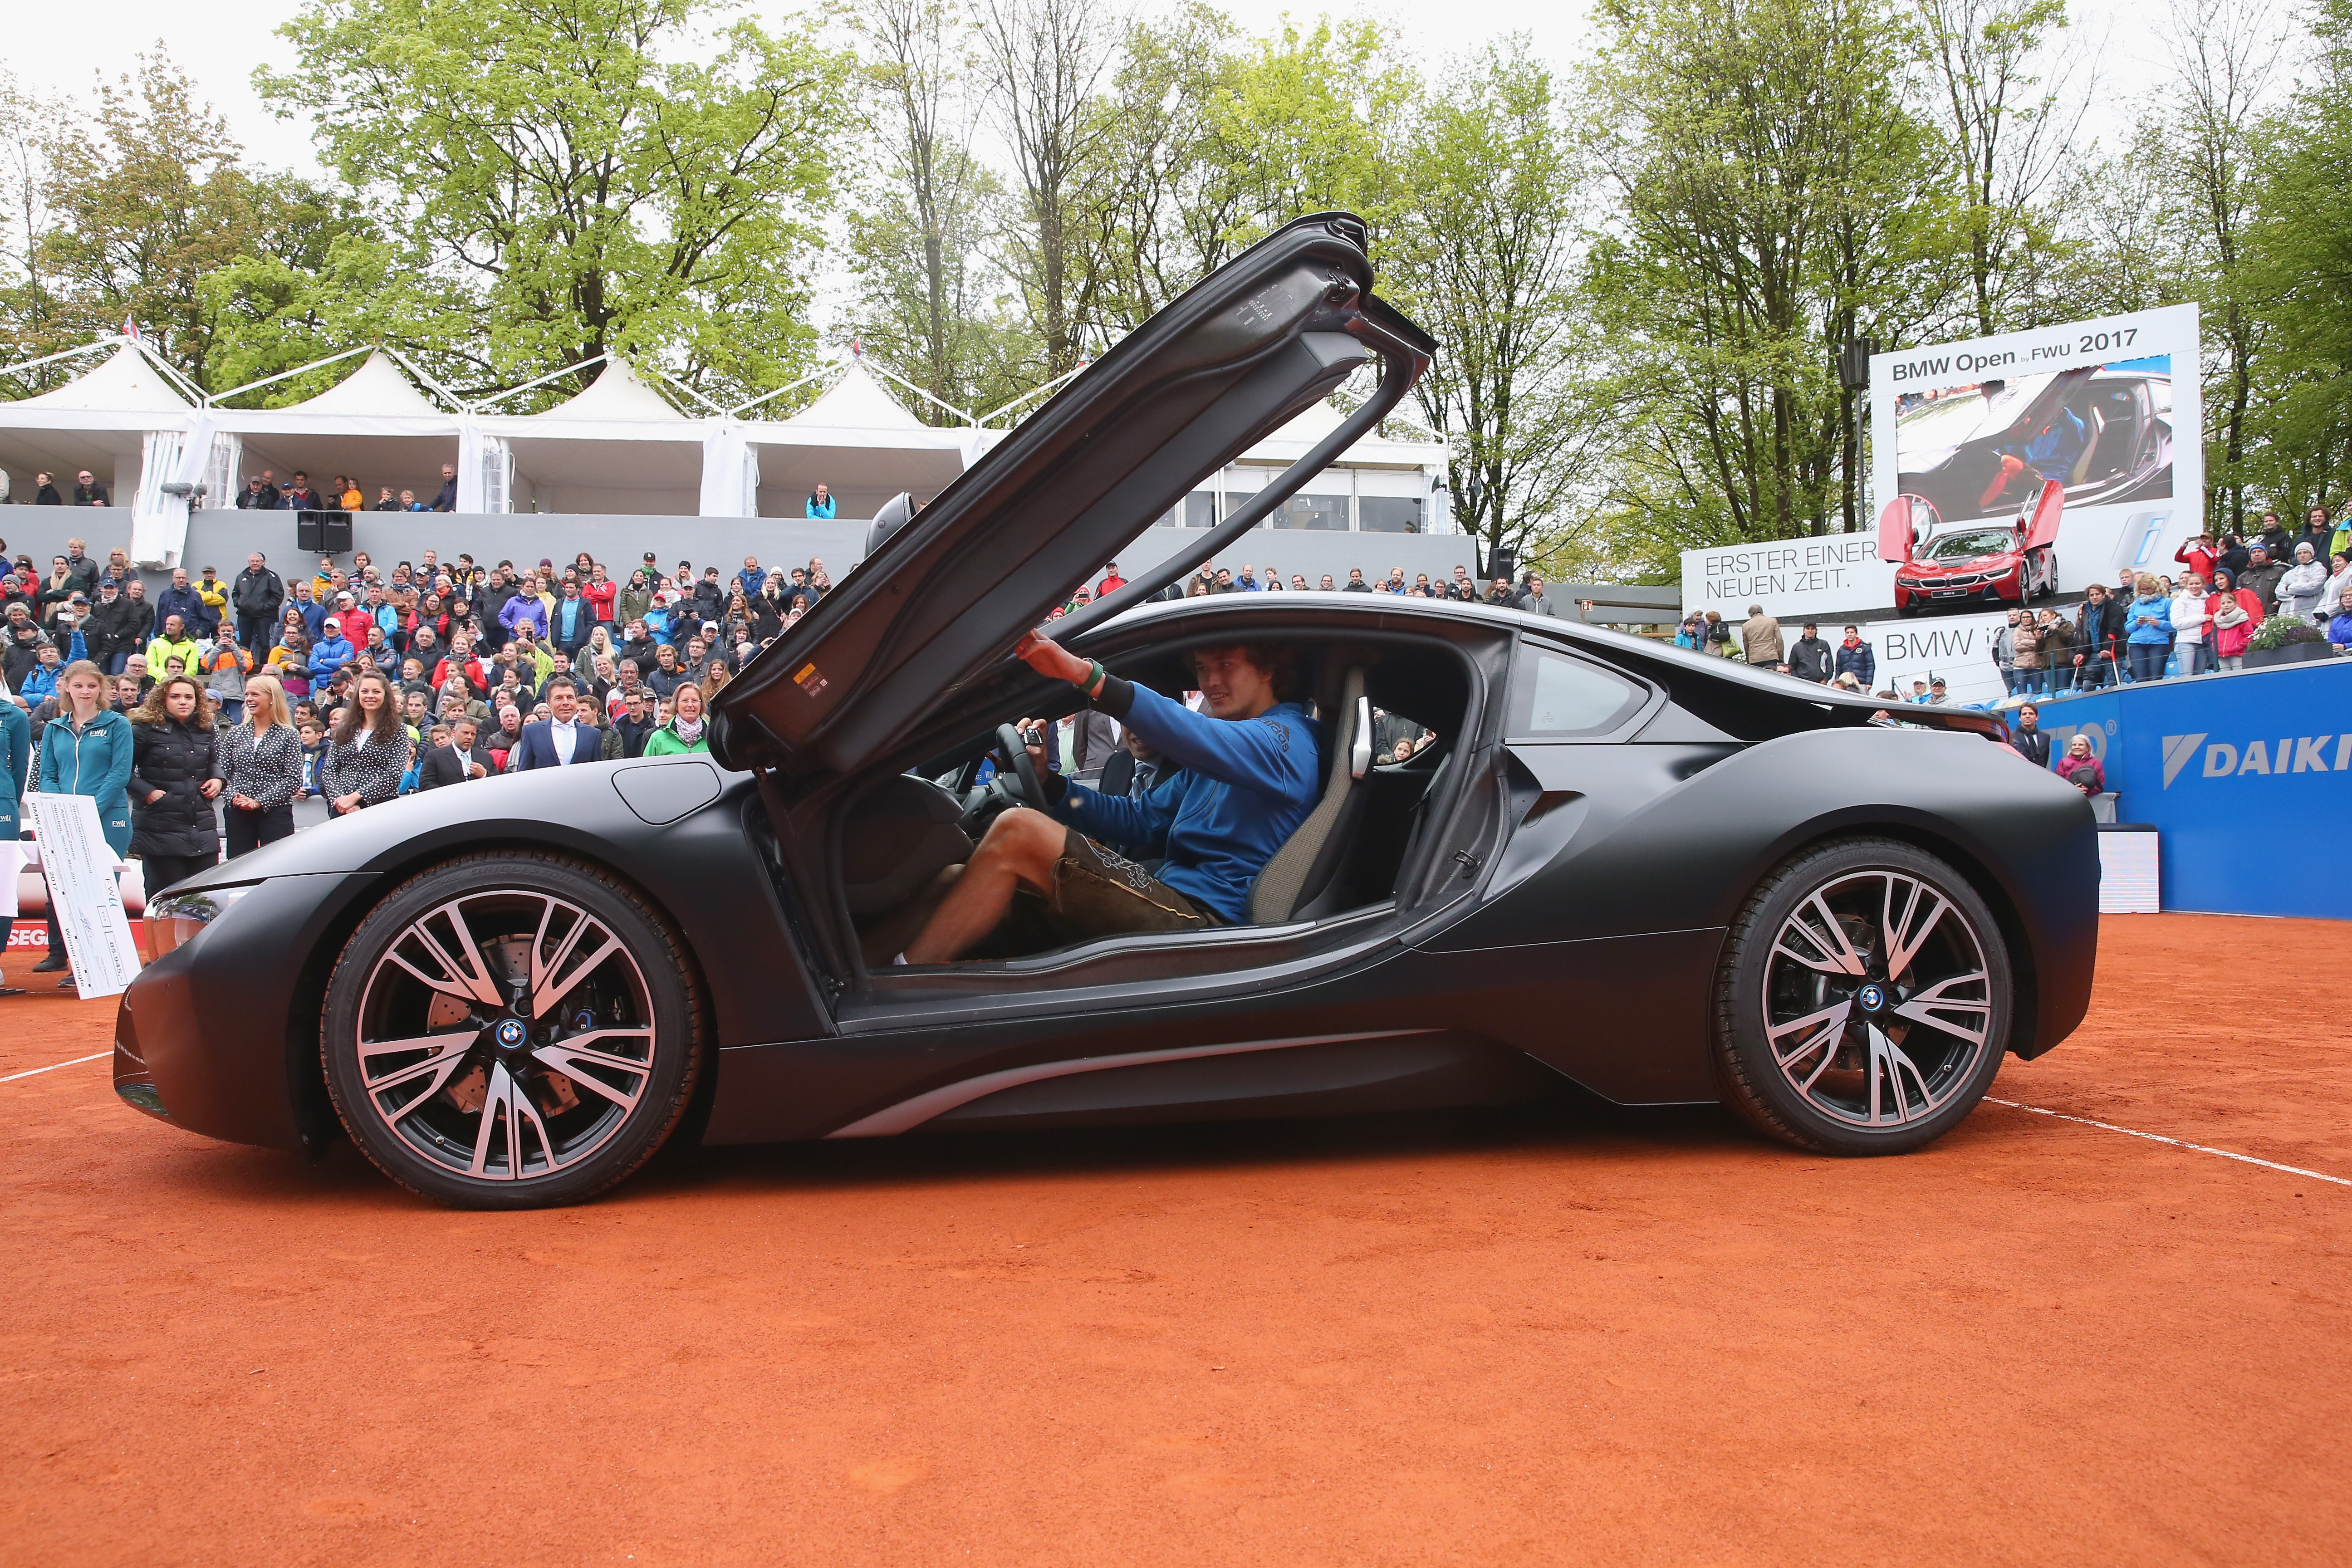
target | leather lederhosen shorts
[{"x": 1097, "y": 892}]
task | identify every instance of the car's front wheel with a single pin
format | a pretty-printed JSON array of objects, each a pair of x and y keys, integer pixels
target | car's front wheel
[
  {"x": 1864, "y": 1000},
  {"x": 511, "y": 1030}
]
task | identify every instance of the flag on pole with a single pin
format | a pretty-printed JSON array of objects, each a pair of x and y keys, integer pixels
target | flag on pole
[{"x": 131, "y": 329}]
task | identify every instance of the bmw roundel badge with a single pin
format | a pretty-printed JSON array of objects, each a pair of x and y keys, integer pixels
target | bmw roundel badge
[
  {"x": 511, "y": 1032},
  {"x": 1871, "y": 998}
]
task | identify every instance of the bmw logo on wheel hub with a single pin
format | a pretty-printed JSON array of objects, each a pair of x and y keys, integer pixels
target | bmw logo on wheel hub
[
  {"x": 1871, "y": 998},
  {"x": 511, "y": 1032}
]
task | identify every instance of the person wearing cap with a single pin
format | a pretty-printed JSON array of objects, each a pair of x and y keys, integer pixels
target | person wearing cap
[
  {"x": 2261, "y": 577},
  {"x": 1810, "y": 657},
  {"x": 331, "y": 651},
  {"x": 114, "y": 628},
  {"x": 68, "y": 628}
]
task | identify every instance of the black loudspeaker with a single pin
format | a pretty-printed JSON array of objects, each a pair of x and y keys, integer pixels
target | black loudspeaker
[
  {"x": 322, "y": 532},
  {"x": 1504, "y": 564}
]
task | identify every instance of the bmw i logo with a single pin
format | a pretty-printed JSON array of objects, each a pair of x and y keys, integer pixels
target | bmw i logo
[
  {"x": 1871, "y": 998},
  {"x": 511, "y": 1032}
]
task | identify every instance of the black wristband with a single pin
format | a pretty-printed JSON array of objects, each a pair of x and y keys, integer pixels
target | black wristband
[{"x": 1116, "y": 698}]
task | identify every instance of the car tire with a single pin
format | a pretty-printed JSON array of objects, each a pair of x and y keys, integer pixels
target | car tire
[
  {"x": 1817, "y": 1043},
  {"x": 513, "y": 1030}
]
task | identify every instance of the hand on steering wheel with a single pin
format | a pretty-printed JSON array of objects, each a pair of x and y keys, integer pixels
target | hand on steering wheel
[{"x": 1029, "y": 790}]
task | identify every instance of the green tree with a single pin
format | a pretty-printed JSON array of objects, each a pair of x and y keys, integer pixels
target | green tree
[
  {"x": 2011, "y": 136},
  {"x": 1482, "y": 252},
  {"x": 2297, "y": 265},
  {"x": 147, "y": 199},
  {"x": 1773, "y": 192},
  {"x": 645, "y": 176}
]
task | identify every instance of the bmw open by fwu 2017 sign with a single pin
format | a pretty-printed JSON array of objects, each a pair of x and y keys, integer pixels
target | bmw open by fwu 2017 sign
[{"x": 2107, "y": 409}]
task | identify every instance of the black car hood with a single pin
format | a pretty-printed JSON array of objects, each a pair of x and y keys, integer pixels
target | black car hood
[{"x": 942, "y": 601}]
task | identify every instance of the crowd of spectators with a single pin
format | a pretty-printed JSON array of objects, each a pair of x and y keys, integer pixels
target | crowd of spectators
[{"x": 2148, "y": 627}]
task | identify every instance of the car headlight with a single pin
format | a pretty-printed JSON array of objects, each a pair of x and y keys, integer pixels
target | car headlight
[{"x": 178, "y": 918}]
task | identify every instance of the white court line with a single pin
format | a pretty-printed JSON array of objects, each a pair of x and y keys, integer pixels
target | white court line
[
  {"x": 55, "y": 1066},
  {"x": 2175, "y": 1143}
]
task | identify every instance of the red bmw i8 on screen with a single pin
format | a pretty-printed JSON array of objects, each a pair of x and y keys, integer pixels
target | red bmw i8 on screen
[{"x": 1977, "y": 562}]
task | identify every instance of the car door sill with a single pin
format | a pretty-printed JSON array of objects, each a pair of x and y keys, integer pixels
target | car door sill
[{"x": 1255, "y": 958}]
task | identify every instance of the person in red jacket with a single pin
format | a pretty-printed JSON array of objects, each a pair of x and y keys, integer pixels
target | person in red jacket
[
  {"x": 2199, "y": 555},
  {"x": 600, "y": 592},
  {"x": 1110, "y": 579}
]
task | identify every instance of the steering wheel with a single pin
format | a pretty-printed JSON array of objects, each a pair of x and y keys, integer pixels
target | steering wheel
[
  {"x": 1015, "y": 785},
  {"x": 1031, "y": 790}
]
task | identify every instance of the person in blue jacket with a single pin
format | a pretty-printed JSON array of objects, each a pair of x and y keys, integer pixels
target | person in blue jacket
[
  {"x": 86, "y": 749},
  {"x": 1252, "y": 773},
  {"x": 2147, "y": 626},
  {"x": 332, "y": 652},
  {"x": 821, "y": 503},
  {"x": 15, "y": 756}
]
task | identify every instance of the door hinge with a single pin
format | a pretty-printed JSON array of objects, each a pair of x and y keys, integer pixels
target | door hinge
[{"x": 1467, "y": 861}]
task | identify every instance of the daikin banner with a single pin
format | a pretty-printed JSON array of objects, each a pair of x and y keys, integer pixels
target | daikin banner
[{"x": 2108, "y": 409}]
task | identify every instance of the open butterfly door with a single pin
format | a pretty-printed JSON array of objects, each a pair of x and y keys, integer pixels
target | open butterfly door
[
  {"x": 1895, "y": 535},
  {"x": 2041, "y": 528}
]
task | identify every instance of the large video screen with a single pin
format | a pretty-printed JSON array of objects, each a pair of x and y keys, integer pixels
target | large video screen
[{"x": 1981, "y": 448}]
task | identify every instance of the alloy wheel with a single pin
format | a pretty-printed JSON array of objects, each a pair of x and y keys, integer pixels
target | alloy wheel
[
  {"x": 1878, "y": 999},
  {"x": 505, "y": 1034}
]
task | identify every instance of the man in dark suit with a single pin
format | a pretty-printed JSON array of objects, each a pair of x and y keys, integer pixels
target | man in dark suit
[
  {"x": 561, "y": 740},
  {"x": 458, "y": 760}
]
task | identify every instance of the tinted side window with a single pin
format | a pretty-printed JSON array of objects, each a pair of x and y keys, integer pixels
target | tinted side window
[{"x": 1553, "y": 695}]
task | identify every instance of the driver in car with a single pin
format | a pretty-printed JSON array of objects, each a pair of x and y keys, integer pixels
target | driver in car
[{"x": 1252, "y": 773}]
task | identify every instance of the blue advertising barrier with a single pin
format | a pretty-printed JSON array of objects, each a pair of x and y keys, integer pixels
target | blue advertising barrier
[{"x": 2246, "y": 776}]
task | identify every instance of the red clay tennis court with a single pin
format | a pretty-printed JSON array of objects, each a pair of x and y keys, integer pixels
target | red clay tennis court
[{"x": 1608, "y": 1337}]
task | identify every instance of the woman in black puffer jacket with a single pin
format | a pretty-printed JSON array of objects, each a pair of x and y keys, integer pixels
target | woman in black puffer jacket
[{"x": 172, "y": 749}]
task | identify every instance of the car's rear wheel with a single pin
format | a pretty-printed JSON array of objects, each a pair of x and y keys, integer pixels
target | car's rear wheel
[
  {"x": 1864, "y": 1000},
  {"x": 511, "y": 1030}
]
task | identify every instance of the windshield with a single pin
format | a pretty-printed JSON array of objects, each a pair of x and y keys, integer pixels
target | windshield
[
  {"x": 1970, "y": 542},
  {"x": 1964, "y": 414}
]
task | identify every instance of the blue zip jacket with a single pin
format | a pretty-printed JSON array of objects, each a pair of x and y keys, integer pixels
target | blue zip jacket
[
  {"x": 95, "y": 762},
  {"x": 40, "y": 684},
  {"x": 823, "y": 509},
  {"x": 1247, "y": 785},
  {"x": 329, "y": 656},
  {"x": 2150, "y": 621}
]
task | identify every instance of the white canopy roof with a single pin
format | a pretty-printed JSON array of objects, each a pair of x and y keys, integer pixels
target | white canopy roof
[
  {"x": 123, "y": 383},
  {"x": 860, "y": 442},
  {"x": 378, "y": 387},
  {"x": 615, "y": 393},
  {"x": 857, "y": 402}
]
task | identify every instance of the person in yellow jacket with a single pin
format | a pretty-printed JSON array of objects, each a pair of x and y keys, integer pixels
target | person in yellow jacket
[
  {"x": 215, "y": 594},
  {"x": 171, "y": 642}
]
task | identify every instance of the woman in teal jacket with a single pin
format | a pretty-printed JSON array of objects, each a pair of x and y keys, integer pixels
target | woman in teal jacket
[
  {"x": 86, "y": 749},
  {"x": 15, "y": 756}
]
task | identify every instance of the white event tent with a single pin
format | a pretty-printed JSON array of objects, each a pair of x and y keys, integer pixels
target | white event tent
[{"x": 622, "y": 447}]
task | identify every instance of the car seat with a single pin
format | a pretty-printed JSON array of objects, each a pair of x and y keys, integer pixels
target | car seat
[{"x": 1303, "y": 866}]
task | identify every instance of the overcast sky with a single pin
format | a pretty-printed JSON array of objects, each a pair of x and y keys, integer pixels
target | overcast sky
[{"x": 51, "y": 45}]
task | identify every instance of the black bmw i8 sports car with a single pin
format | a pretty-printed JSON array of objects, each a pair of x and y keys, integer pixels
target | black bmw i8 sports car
[{"x": 1665, "y": 878}]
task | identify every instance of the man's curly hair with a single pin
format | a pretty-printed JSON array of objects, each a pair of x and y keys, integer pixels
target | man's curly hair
[{"x": 1278, "y": 662}]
